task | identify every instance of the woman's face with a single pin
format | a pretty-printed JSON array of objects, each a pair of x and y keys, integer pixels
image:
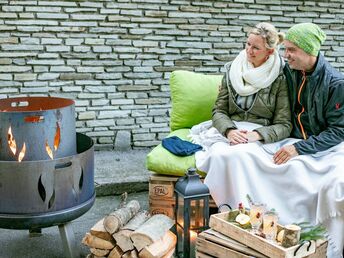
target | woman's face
[{"x": 256, "y": 51}]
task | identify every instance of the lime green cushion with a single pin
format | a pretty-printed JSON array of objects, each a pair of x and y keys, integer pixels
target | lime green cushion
[
  {"x": 193, "y": 96},
  {"x": 162, "y": 161}
]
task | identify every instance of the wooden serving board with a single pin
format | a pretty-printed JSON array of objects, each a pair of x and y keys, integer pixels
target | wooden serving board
[{"x": 219, "y": 223}]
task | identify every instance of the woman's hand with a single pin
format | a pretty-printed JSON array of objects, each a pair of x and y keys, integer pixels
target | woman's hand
[
  {"x": 253, "y": 136},
  {"x": 236, "y": 136}
]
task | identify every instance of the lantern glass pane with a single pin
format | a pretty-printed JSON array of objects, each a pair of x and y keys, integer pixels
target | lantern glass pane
[
  {"x": 180, "y": 211},
  {"x": 180, "y": 237},
  {"x": 197, "y": 220}
]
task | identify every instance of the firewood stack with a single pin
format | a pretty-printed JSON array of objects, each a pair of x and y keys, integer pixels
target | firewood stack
[{"x": 130, "y": 233}]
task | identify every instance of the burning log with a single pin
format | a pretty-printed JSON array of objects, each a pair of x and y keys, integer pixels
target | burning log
[
  {"x": 122, "y": 237},
  {"x": 161, "y": 247},
  {"x": 151, "y": 231},
  {"x": 117, "y": 219}
]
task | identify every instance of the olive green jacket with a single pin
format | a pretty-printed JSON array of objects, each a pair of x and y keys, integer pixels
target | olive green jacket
[{"x": 270, "y": 108}]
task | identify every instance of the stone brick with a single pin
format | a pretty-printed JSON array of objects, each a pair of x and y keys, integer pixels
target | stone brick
[
  {"x": 25, "y": 77},
  {"x": 75, "y": 76},
  {"x": 6, "y": 77},
  {"x": 113, "y": 114},
  {"x": 87, "y": 115},
  {"x": 100, "y": 122},
  {"x": 122, "y": 141},
  {"x": 48, "y": 76}
]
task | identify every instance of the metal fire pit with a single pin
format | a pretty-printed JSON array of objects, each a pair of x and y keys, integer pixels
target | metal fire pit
[{"x": 54, "y": 184}]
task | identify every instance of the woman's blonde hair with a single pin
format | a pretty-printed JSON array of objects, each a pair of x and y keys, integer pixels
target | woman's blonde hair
[{"x": 269, "y": 33}]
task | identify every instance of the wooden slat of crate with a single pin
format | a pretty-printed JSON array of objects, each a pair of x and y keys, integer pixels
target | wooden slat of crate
[
  {"x": 215, "y": 244},
  {"x": 162, "y": 206},
  {"x": 320, "y": 251},
  {"x": 219, "y": 223},
  {"x": 162, "y": 187}
]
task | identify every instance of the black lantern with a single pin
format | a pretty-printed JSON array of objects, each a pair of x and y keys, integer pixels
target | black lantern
[{"x": 192, "y": 211}]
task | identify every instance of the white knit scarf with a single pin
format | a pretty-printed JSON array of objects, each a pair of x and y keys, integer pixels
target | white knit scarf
[{"x": 247, "y": 80}]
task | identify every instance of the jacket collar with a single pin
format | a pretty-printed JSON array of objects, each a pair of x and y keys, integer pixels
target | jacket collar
[{"x": 318, "y": 67}]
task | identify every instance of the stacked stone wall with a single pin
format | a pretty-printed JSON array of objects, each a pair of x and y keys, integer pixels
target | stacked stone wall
[{"x": 114, "y": 58}]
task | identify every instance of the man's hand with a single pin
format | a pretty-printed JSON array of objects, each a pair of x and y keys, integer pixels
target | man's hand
[{"x": 284, "y": 154}]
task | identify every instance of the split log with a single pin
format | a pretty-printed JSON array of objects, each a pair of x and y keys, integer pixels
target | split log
[
  {"x": 115, "y": 253},
  {"x": 122, "y": 237},
  {"x": 96, "y": 242},
  {"x": 94, "y": 256},
  {"x": 161, "y": 247},
  {"x": 99, "y": 252},
  {"x": 151, "y": 231},
  {"x": 98, "y": 230},
  {"x": 291, "y": 235},
  {"x": 117, "y": 219},
  {"x": 131, "y": 254}
]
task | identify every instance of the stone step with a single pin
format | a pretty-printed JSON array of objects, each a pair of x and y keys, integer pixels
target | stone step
[{"x": 120, "y": 171}]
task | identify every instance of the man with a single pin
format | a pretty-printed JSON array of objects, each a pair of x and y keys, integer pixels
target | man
[{"x": 316, "y": 94}]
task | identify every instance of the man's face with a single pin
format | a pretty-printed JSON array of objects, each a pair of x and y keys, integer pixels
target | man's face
[{"x": 297, "y": 58}]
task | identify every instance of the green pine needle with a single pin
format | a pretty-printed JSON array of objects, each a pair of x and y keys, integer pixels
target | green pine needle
[{"x": 309, "y": 232}]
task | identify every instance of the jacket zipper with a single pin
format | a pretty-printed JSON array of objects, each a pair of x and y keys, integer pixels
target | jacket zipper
[{"x": 304, "y": 135}]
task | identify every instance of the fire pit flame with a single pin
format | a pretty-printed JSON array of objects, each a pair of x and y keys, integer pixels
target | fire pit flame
[
  {"x": 22, "y": 153},
  {"x": 57, "y": 136},
  {"x": 11, "y": 141},
  {"x": 49, "y": 150}
]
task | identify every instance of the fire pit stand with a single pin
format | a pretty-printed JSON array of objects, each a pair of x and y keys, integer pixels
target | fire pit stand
[{"x": 46, "y": 169}]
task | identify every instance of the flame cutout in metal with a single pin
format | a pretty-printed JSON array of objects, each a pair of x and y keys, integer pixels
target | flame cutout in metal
[
  {"x": 57, "y": 136},
  {"x": 34, "y": 119},
  {"x": 74, "y": 194},
  {"x": 22, "y": 153},
  {"x": 11, "y": 141},
  {"x": 41, "y": 189},
  {"x": 81, "y": 180},
  {"x": 49, "y": 150},
  {"x": 52, "y": 200}
]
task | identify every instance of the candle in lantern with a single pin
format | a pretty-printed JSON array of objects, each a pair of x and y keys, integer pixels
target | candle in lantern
[{"x": 193, "y": 238}]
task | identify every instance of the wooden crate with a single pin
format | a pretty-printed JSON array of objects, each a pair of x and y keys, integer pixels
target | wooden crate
[
  {"x": 162, "y": 187},
  {"x": 219, "y": 223},
  {"x": 211, "y": 243},
  {"x": 161, "y": 195},
  {"x": 162, "y": 206}
]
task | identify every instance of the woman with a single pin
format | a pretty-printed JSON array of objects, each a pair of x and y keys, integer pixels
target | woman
[
  {"x": 254, "y": 89},
  {"x": 252, "y": 108}
]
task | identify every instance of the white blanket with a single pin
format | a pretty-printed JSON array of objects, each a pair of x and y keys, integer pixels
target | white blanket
[{"x": 306, "y": 188}]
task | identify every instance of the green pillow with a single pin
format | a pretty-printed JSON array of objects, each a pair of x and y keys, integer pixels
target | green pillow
[
  {"x": 162, "y": 161},
  {"x": 193, "y": 96}
]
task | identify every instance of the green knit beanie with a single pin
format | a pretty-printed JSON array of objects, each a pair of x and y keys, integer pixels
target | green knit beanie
[{"x": 307, "y": 36}]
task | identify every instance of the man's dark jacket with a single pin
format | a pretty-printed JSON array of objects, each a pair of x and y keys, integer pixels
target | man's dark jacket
[{"x": 323, "y": 99}]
